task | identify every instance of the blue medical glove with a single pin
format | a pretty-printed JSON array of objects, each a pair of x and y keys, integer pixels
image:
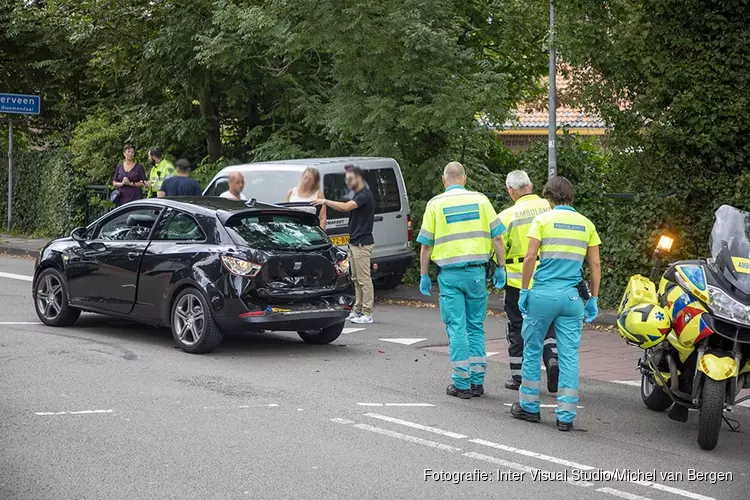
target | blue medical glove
[
  {"x": 591, "y": 309},
  {"x": 425, "y": 284},
  {"x": 523, "y": 301},
  {"x": 500, "y": 277}
]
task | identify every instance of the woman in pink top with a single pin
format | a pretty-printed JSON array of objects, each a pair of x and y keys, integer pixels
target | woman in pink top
[{"x": 308, "y": 190}]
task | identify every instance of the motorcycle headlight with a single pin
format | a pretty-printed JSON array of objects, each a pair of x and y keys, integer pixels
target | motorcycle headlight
[
  {"x": 240, "y": 267},
  {"x": 724, "y": 306}
]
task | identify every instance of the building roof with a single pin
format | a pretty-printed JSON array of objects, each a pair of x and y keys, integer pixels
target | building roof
[{"x": 566, "y": 118}]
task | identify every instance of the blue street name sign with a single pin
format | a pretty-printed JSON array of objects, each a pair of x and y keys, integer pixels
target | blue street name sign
[{"x": 20, "y": 104}]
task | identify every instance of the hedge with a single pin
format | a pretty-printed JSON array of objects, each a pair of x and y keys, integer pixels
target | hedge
[{"x": 48, "y": 200}]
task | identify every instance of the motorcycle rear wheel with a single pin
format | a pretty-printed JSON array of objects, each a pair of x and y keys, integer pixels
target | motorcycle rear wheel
[
  {"x": 653, "y": 396},
  {"x": 711, "y": 413}
]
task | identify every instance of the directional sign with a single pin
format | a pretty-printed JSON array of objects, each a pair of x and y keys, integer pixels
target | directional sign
[{"x": 20, "y": 104}]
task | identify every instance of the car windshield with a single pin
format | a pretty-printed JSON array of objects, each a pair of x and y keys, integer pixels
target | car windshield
[
  {"x": 270, "y": 186},
  {"x": 276, "y": 232},
  {"x": 730, "y": 245}
]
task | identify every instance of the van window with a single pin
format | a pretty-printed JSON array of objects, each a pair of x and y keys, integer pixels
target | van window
[
  {"x": 381, "y": 181},
  {"x": 218, "y": 188}
]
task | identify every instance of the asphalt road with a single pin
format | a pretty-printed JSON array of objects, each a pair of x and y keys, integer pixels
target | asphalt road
[{"x": 112, "y": 410}]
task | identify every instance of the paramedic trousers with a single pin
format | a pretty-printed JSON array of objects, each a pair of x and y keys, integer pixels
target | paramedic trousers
[
  {"x": 562, "y": 308},
  {"x": 515, "y": 340},
  {"x": 463, "y": 306}
]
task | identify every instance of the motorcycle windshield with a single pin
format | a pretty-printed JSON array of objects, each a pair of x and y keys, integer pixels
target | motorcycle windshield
[{"x": 730, "y": 246}]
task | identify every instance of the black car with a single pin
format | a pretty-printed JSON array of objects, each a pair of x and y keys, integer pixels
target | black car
[{"x": 202, "y": 266}]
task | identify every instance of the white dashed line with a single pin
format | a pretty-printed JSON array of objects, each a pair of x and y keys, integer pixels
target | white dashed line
[
  {"x": 676, "y": 491},
  {"x": 622, "y": 494},
  {"x": 21, "y": 323},
  {"x": 523, "y": 468},
  {"x": 347, "y": 331},
  {"x": 532, "y": 454},
  {"x": 342, "y": 421},
  {"x": 16, "y": 276},
  {"x": 398, "y": 404},
  {"x": 413, "y": 425},
  {"x": 406, "y": 437},
  {"x": 634, "y": 383},
  {"x": 82, "y": 412},
  {"x": 404, "y": 341}
]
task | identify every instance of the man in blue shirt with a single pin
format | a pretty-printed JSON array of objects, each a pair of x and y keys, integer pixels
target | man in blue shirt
[{"x": 180, "y": 184}]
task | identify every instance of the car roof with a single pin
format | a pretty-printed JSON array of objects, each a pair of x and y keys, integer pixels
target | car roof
[
  {"x": 301, "y": 163},
  {"x": 209, "y": 205}
]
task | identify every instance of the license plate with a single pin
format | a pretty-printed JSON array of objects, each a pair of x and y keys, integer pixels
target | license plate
[{"x": 340, "y": 241}]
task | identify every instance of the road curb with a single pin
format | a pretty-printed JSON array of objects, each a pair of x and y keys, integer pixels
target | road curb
[{"x": 18, "y": 252}]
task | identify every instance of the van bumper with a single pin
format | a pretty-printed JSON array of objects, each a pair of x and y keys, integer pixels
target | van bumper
[{"x": 392, "y": 264}]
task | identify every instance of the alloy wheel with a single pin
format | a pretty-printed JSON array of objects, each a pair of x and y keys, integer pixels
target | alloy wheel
[
  {"x": 49, "y": 297},
  {"x": 189, "y": 319}
]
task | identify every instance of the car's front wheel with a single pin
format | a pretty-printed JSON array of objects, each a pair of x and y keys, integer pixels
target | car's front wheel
[
  {"x": 193, "y": 325},
  {"x": 51, "y": 300},
  {"x": 323, "y": 336}
]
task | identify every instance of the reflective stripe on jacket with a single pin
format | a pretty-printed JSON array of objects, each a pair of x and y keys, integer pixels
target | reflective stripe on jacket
[
  {"x": 516, "y": 222},
  {"x": 460, "y": 226},
  {"x": 565, "y": 237}
]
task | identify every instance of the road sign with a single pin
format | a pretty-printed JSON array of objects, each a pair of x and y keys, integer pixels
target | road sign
[{"x": 20, "y": 104}]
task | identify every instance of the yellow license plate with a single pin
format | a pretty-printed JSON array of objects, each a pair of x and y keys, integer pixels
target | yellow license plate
[{"x": 340, "y": 241}]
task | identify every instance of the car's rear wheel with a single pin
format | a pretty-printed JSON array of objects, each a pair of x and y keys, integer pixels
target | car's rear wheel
[
  {"x": 388, "y": 282},
  {"x": 193, "y": 325},
  {"x": 323, "y": 336},
  {"x": 51, "y": 300}
]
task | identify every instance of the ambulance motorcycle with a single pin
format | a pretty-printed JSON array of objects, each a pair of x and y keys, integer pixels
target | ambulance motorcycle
[{"x": 702, "y": 310}]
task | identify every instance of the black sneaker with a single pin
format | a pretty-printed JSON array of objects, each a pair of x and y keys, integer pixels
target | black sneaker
[
  {"x": 452, "y": 390},
  {"x": 564, "y": 426},
  {"x": 513, "y": 384},
  {"x": 518, "y": 412},
  {"x": 553, "y": 375},
  {"x": 477, "y": 390}
]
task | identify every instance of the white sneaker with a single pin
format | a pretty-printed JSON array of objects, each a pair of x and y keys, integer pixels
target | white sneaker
[
  {"x": 363, "y": 320},
  {"x": 353, "y": 316}
]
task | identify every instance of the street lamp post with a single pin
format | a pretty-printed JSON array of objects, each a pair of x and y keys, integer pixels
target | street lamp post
[{"x": 552, "y": 134}]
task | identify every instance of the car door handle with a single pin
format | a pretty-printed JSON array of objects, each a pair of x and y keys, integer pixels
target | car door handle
[
  {"x": 398, "y": 216},
  {"x": 133, "y": 255},
  {"x": 378, "y": 219}
]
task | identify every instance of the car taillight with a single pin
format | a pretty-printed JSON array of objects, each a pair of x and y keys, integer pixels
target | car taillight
[
  {"x": 342, "y": 267},
  {"x": 240, "y": 267},
  {"x": 409, "y": 230}
]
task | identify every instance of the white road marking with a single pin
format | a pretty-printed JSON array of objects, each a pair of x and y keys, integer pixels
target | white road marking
[
  {"x": 21, "y": 323},
  {"x": 273, "y": 405},
  {"x": 676, "y": 491},
  {"x": 406, "y": 437},
  {"x": 520, "y": 467},
  {"x": 634, "y": 383},
  {"x": 347, "y": 331},
  {"x": 488, "y": 354},
  {"x": 342, "y": 421},
  {"x": 532, "y": 454},
  {"x": 82, "y": 412},
  {"x": 21, "y": 277},
  {"x": 622, "y": 494},
  {"x": 541, "y": 406},
  {"x": 656, "y": 486},
  {"x": 745, "y": 404},
  {"x": 416, "y": 426},
  {"x": 397, "y": 404},
  {"x": 405, "y": 341}
]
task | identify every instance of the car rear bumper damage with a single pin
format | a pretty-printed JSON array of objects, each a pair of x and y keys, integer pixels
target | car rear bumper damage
[{"x": 237, "y": 317}]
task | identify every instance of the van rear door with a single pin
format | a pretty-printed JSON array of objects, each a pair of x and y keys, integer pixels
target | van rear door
[{"x": 391, "y": 208}]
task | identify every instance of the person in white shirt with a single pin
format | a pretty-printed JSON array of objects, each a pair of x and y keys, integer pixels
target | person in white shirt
[
  {"x": 308, "y": 190},
  {"x": 236, "y": 185}
]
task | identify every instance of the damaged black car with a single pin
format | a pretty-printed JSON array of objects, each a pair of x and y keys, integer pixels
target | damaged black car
[{"x": 201, "y": 266}]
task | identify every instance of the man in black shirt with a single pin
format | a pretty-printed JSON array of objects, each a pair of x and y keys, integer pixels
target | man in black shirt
[
  {"x": 361, "y": 210},
  {"x": 180, "y": 184}
]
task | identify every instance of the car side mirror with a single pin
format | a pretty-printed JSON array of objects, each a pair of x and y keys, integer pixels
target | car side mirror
[{"x": 79, "y": 234}]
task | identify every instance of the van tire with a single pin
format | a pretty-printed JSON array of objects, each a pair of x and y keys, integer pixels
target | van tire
[
  {"x": 323, "y": 336},
  {"x": 388, "y": 282}
]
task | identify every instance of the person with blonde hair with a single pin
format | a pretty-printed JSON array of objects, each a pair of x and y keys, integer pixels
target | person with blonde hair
[{"x": 308, "y": 190}]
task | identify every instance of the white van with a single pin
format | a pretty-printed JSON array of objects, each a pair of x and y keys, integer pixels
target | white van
[{"x": 270, "y": 182}]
